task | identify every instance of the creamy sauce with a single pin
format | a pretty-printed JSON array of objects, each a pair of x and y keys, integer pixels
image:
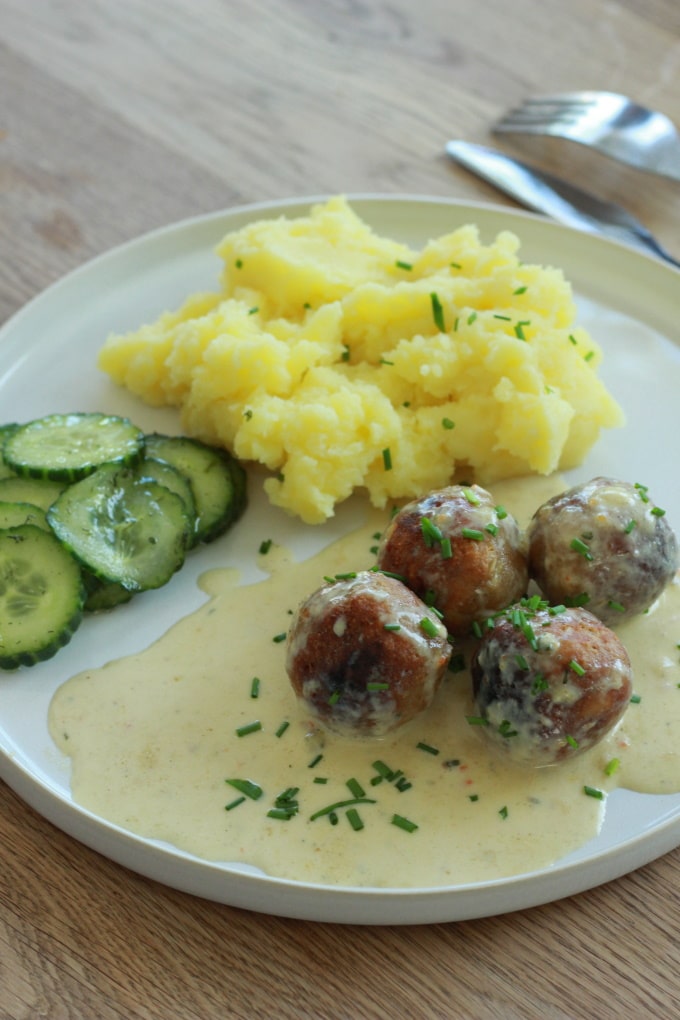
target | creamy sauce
[{"x": 153, "y": 739}]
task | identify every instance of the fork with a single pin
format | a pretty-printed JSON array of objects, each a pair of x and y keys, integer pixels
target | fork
[{"x": 606, "y": 121}]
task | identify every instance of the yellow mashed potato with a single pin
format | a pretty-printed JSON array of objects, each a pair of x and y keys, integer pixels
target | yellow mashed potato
[{"x": 344, "y": 360}]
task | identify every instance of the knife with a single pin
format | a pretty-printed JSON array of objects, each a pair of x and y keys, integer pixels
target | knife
[{"x": 545, "y": 193}]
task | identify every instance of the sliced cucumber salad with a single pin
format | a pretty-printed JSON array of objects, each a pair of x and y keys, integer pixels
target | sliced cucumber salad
[{"x": 92, "y": 511}]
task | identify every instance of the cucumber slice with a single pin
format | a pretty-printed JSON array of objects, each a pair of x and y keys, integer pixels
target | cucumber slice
[
  {"x": 165, "y": 474},
  {"x": 5, "y": 432},
  {"x": 41, "y": 596},
  {"x": 123, "y": 529},
  {"x": 102, "y": 595},
  {"x": 12, "y": 515},
  {"x": 218, "y": 488},
  {"x": 30, "y": 490},
  {"x": 67, "y": 447}
]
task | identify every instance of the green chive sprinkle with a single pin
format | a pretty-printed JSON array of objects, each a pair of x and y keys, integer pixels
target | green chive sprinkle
[
  {"x": 345, "y": 353},
  {"x": 477, "y": 720},
  {"x": 430, "y": 532},
  {"x": 570, "y": 740},
  {"x": 437, "y": 313},
  {"x": 246, "y": 787},
  {"x": 281, "y": 813},
  {"x": 493, "y": 529},
  {"x": 278, "y": 638},
  {"x": 474, "y": 797},
  {"x": 238, "y": 263},
  {"x": 505, "y": 318},
  {"x": 265, "y": 546},
  {"x": 471, "y": 318},
  {"x": 282, "y": 728},
  {"x": 611, "y": 766},
  {"x": 255, "y": 687},
  {"x": 501, "y": 513},
  {"x": 427, "y": 748},
  {"x": 404, "y": 823},
  {"x": 429, "y": 627},
  {"x": 446, "y": 549},
  {"x": 448, "y": 424},
  {"x": 505, "y": 729},
  {"x": 377, "y": 686},
  {"x": 252, "y": 727},
  {"x": 234, "y": 803},
  {"x": 629, "y": 527},
  {"x": 355, "y": 788},
  {"x": 403, "y": 265},
  {"x": 616, "y": 606},
  {"x": 503, "y": 812},
  {"x": 354, "y": 819},
  {"x": 642, "y": 492},
  {"x": 657, "y": 511},
  {"x": 591, "y": 791},
  {"x": 392, "y": 626},
  {"x": 340, "y": 804},
  {"x": 321, "y": 779},
  {"x": 472, "y": 497},
  {"x": 315, "y": 761},
  {"x": 455, "y": 265},
  {"x": 635, "y": 699},
  {"x": 387, "y": 459},
  {"x": 253, "y": 311},
  {"x": 335, "y": 697},
  {"x": 580, "y": 547},
  {"x": 520, "y": 290},
  {"x": 576, "y": 667},
  {"x": 474, "y": 533}
]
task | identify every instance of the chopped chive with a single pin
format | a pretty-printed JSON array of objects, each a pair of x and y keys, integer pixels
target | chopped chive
[
  {"x": 474, "y": 533},
  {"x": 333, "y": 818},
  {"x": 238, "y": 263},
  {"x": 579, "y": 600},
  {"x": 589, "y": 356},
  {"x": 437, "y": 313},
  {"x": 501, "y": 513},
  {"x": 278, "y": 638},
  {"x": 580, "y": 547},
  {"x": 335, "y": 697},
  {"x": 315, "y": 761},
  {"x": 474, "y": 797},
  {"x": 540, "y": 684},
  {"x": 282, "y": 728},
  {"x": 503, "y": 812},
  {"x": 321, "y": 779},
  {"x": 477, "y": 720},
  {"x": 591, "y": 791},
  {"x": 422, "y": 746},
  {"x": 355, "y": 788},
  {"x": 392, "y": 626},
  {"x": 521, "y": 662},
  {"x": 520, "y": 290},
  {"x": 642, "y": 491},
  {"x": 384, "y": 361},
  {"x": 471, "y": 496},
  {"x": 448, "y": 424},
  {"x": 429, "y": 627},
  {"x": 234, "y": 803},
  {"x": 354, "y": 819},
  {"x": 576, "y": 667},
  {"x": 519, "y": 330},
  {"x": 375, "y": 685},
  {"x": 345, "y": 353},
  {"x": 629, "y": 527},
  {"x": 611, "y": 766},
  {"x": 255, "y": 687},
  {"x": 340, "y": 804},
  {"x": 657, "y": 511},
  {"x": 404, "y": 823},
  {"x": 635, "y": 699},
  {"x": 505, "y": 318},
  {"x": 471, "y": 318},
  {"x": 349, "y": 575},
  {"x": 403, "y": 265},
  {"x": 281, "y": 813},
  {"x": 430, "y": 532},
  {"x": 505, "y": 729},
  {"x": 253, "y": 311},
  {"x": 383, "y": 770},
  {"x": 570, "y": 740},
  {"x": 445, "y": 547},
  {"x": 573, "y": 339},
  {"x": 493, "y": 529},
  {"x": 265, "y": 546},
  {"x": 246, "y": 787},
  {"x": 252, "y": 727},
  {"x": 616, "y": 606},
  {"x": 455, "y": 265},
  {"x": 387, "y": 459},
  {"x": 403, "y": 785}
]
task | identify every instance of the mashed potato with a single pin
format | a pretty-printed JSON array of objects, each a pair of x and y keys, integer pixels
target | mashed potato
[{"x": 344, "y": 360}]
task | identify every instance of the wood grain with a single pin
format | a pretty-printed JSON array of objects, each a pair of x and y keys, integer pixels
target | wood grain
[{"x": 117, "y": 118}]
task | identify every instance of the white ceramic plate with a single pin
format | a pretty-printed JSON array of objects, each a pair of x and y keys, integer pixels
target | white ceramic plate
[{"x": 47, "y": 364}]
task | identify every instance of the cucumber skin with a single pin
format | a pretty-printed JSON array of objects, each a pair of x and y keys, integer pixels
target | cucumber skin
[{"x": 52, "y": 645}]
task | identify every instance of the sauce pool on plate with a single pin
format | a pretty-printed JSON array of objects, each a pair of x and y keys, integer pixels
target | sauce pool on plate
[{"x": 199, "y": 742}]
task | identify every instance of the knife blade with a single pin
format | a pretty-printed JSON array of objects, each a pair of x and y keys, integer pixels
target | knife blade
[{"x": 545, "y": 193}]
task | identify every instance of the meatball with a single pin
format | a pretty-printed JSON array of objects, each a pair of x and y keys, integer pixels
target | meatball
[
  {"x": 549, "y": 684},
  {"x": 365, "y": 654},
  {"x": 603, "y": 545},
  {"x": 458, "y": 551}
]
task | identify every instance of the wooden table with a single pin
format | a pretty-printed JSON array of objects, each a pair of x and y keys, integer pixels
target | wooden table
[{"x": 120, "y": 117}]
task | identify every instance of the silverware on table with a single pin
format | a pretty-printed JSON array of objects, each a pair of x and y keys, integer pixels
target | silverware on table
[
  {"x": 606, "y": 121},
  {"x": 548, "y": 194}
]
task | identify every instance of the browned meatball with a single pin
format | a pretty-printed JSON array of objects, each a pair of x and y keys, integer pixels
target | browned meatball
[
  {"x": 603, "y": 545},
  {"x": 548, "y": 683},
  {"x": 365, "y": 654},
  {"x": 458, "y": 551}
]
